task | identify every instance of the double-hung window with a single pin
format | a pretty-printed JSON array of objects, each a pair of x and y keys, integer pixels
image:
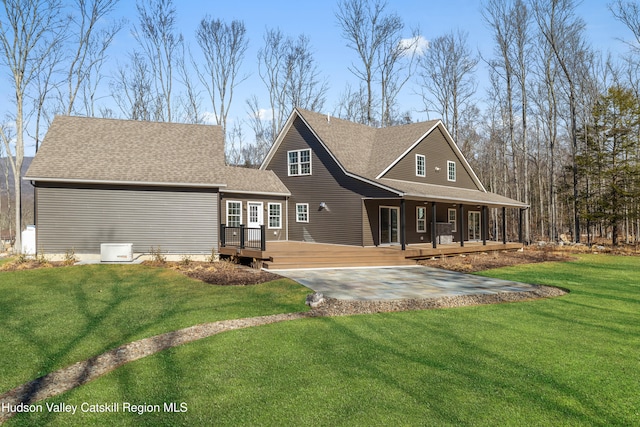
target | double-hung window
[
  {"x": 234, "y": 213},
  {"x": 302, "y": 212},
  {"x": 299, "y": 162},
  {"x": 421, "y": 219},
  {"x": 451, "y": 171},
  {"x": 421, "y": 165},
  {"x": 275, "y": 215},
  {"x": 452, "y": 216}
]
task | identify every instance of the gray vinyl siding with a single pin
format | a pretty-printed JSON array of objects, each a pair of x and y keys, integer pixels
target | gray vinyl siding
[
  {"x": 340, "y": 223},
  {"x": 176, "y": 220},
  {"x": 271, "y": 233},
  {"x": 437, "y": 152}
]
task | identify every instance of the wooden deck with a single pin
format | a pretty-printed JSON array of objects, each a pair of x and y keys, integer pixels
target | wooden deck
[
  {"x": 426, "y": 250},
  {"x": 286, "y": 255}
]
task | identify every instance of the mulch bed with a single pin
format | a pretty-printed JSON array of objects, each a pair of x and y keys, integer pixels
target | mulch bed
[
  {"x": 472, "y": 263},
  {"x": 222, "y": 273}
]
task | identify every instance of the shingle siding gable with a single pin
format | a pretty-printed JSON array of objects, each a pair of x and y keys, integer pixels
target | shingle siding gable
[{"x": 437, "y": 152}]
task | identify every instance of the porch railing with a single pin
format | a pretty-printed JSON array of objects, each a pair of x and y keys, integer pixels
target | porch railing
[{"x": 243, "y": 237}]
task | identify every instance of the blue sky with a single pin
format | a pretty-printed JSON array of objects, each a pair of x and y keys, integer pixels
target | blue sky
[{"x": 317, "y": 21}]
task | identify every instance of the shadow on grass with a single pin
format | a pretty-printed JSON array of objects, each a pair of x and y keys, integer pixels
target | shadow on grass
[{"x": 100, "y": 315}]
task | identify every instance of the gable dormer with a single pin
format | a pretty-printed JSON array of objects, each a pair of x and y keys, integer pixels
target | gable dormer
[{"x": 433, "y": 159}]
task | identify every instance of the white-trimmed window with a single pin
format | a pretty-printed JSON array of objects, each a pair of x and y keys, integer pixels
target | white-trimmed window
[
  {"x": 275, "y": 215},
  {"x": 302, "y": 212},
  {"x": 421, "y": 219},
  {"x": 421, "y": 168},
  {"x": 234, "y": 213},
  {"x": 452, "y": 216},
  {"x": 451, "y": 171},
  {"x": 299, "y": 162}
]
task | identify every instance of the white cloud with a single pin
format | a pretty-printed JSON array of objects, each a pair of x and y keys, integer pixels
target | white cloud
[
  {"x": 417, "y": 45},
  {"x": 262, "y": 114},
  {"x": 209, "y": 118}
]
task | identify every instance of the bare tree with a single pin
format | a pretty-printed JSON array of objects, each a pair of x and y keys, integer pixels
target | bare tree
[
  {"x": 263, "y": 130},
  {"x": 397, "y": 60},
  {"x": 510, "y": 24},
  {"x": 132, "y": 91},
  {"x": 223, "y": 46},
  {"x": 352, "y": 104},
  {"x": 375, "y": 36},
  {"x": 564, "y": 33},
  {"x": 447, "y": 74},
  {"x": 628, "y": 12},
  {"x": 29, "y": 31},
  {"x": 290, "y": 73},
  {"x": 88, "y": 43},
  {"x": 160, "y": 45}
]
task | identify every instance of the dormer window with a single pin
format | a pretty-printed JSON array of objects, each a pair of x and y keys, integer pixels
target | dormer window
[
  {"x": 299, "y": 162},
  {"x": 420, "y": 165}
]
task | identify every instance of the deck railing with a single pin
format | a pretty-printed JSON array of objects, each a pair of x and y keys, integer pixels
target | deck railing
[{"x": 243, "y": 237}]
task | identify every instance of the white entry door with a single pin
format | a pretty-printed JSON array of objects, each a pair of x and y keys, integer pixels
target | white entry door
[{"x": 255, "y": 214}]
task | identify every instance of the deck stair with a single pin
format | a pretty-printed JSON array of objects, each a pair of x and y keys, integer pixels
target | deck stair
[{"x": 289, "y": 255}]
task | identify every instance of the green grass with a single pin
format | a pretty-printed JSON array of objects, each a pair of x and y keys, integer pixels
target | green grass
[
  {"x": 51, "y": 318},
  {"x": 573, "y": 360},
  {"x": 6, "y": 260}
]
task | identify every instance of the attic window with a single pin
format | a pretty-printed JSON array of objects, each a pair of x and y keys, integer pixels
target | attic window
[
  {"x": 420, "y": 165},
  {"x": 299, "y": 162},
  {"x": 451, "y": 171}
]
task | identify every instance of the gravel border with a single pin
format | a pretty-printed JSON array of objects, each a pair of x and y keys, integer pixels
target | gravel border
[{"x": 83, "y": 372}]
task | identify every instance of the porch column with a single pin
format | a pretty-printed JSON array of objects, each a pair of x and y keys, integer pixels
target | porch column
[
  {"x": 520, "y": 239},
  {"x": 504, "y": 225},
  {"x": 485, "y": 225},
  {"x": 403, "y": 225},
  {"x": 461, "y": 222},
  {"x": 433, "y": 225}
]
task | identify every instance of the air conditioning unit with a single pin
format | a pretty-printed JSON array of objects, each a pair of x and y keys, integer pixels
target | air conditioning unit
[{"x": 114, "y": 252}]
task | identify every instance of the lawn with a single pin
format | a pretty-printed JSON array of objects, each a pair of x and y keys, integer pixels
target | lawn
[
  {"x": 572, "y": 360},
  {"x": 51, "y": 318}
]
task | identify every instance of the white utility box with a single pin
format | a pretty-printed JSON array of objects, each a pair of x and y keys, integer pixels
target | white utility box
[
  {"x": 29, "y": 240},
  {"x": 114, "y": 252}
]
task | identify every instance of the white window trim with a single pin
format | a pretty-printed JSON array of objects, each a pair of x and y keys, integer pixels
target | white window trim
[
  {"x": 418, "y": 219},
  {"x": 424, "y": 165},
  {"x": 228, "y": 203},
  {"x": 306, "y": 205},
  {"x": 279, "y": 216},
  {"x": 299, "y": 163},
  {"x": 454, "y": 226},
  {"x": 449, "y": 163}
]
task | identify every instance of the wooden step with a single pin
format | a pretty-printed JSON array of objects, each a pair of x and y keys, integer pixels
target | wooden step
[{"x": 330, "y": 263}]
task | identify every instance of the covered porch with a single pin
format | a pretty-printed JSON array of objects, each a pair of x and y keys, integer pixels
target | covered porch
[
  {"x": 407, "y": 223},
  {"x": 441, "y": 215}
]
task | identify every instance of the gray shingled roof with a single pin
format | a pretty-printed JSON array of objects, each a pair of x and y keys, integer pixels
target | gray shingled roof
[
  {"x": 361, "y": 149},
  {"x": 449, "y": 194},
  {"x": 244, "y": 180},
  {"x": 81, "y": 149},
  {"x": 366, "y": 151}
]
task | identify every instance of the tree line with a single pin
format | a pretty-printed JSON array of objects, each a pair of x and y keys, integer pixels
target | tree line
[{"x": 557, "y": 126}]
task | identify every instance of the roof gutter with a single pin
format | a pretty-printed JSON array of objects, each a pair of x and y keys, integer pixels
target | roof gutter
[
  {"x": 110, "y": 182},
  {"x": 259, "y": 193},
  {"x": 466, "y": 200}
]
